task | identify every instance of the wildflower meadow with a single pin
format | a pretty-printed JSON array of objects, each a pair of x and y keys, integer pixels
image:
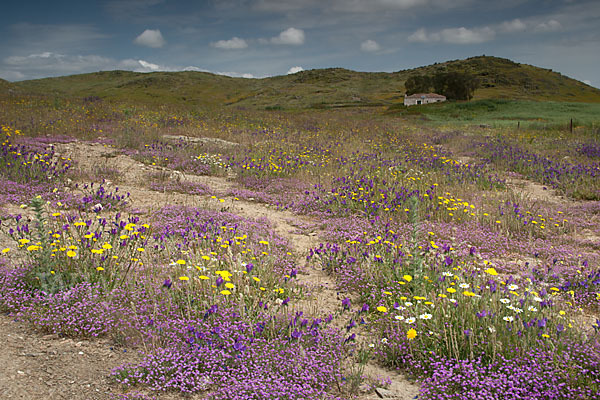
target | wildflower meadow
[{"x": 323, "y": 254}]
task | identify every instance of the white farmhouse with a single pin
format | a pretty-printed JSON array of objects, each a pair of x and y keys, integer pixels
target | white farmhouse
[{"x": 423, "y": 98}]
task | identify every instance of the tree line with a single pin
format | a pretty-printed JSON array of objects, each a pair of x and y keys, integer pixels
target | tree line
[{"x": 453, "y": 85}]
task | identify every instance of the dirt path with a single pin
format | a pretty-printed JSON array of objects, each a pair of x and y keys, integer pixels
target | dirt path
[
  {"x": 46, "y": 367},
  {"x": 34, "y": 366}
]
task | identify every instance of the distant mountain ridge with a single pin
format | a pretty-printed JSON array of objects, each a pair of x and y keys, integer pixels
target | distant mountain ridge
[{"x": 319, "y": 88}]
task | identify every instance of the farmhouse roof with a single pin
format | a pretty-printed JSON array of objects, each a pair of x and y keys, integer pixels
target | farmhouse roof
[{"x": 425, "y": 96}]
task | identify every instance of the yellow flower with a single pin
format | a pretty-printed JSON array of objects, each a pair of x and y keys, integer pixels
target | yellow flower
[
  {"x": 24, "y": 241},
  {"x": 180, "y": 262},
  {"x": 123, "y": 237},
  {"x": 33, "y": 248},
  {"x": 229, "y": 285},
  {"x": 99, "y": 269},
  {"x": 6, "y": 250},
  {"x": 411, "y": 334},
  {"x": 451, "y": 290},
  {"x": 203, "y": 277},
  {"x": 258, "y": 280},
  {"x": 107, "y": 246},
  {"x": 184, "y": 278},
  {"x": 468, "y": 294},
  {"x": 225, "y": 292},
  {"x": 491, "y": 271},
  {"x": 71, "y": 253},
  {"x": 407, "y": 278},
  {"x": 141, "y": 249},
  {"x": 382, "y": 309},
  {"x": 206, "y": 258},
  {"x": 263, "y": 242}
]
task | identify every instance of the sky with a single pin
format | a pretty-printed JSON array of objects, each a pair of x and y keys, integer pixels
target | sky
[{"x": 260, "y": 38}]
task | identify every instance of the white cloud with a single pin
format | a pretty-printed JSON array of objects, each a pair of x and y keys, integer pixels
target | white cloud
[
  {"x": 460, "y": 35},
  {"x": 516, "y": 25},
  {"x": 466, "y": 36},
  {"x": 550, "y": 26},
  {"x": 419, "y": 36},
  {"x": 234, "y": 43},
  {"x": 291, "y": 36},
  {"x": 370, "y": 46},
  {"x": 294, "y": 70},
  {"x": 45, "y": 64},
  {"x": 150, "y": 38},
  {"x": 234, "y": 74},
  {"x": 587, "y": 82}
]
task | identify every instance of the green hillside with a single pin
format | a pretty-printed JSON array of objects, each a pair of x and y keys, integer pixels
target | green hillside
[
  {"x": 4, "y": 85},
  {"x": 322, "y": 88}
]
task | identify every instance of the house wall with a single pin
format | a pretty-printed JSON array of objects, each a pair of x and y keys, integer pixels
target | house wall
[{"x": 415, "y": 101}]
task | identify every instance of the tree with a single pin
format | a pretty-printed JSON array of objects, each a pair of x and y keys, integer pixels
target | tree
[
  {"x": 455, "y": 85},
  {"x": 418, "y": 84}
]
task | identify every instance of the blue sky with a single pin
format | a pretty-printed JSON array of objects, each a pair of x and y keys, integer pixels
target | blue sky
[{"x": 258, "y": 38}]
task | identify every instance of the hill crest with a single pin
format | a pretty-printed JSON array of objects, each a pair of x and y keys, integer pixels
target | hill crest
[{"x": 321, "y": 88}]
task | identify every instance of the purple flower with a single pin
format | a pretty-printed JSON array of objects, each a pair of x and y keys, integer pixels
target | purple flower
[
  {"x": 346, "y": 303},
  {"x": 542, "y": 322},
  {"x": 351, "y": 325},
  {"x": 239, "y": 346},
  {"x": 167, "y": 283},
  {"x": 365, "y": 308},
  {"x": 219, "y": 281}
]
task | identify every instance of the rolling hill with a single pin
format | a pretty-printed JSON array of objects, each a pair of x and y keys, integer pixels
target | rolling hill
[{"x": 321, "y": 88}]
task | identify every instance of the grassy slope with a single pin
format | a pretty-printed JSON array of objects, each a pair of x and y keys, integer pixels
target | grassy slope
[
  {"x": 499, "y": 112},
  {"x": 333, "y": 87},
  {"x": 4, "y": 85}
]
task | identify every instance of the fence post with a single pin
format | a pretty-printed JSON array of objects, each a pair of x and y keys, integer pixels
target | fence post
[{"x": 571, "y": 126}]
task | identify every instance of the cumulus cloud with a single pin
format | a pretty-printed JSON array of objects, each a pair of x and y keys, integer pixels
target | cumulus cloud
[
  {"x": 369, "y": 46},
  {"x": 550, "y": 26},
  {"x": 150, "y": 38},
  {"x": 460, "y": 35},
  {"x": 47, "y": 63},
  {"x": 290, "y": 36},
  {"x": 295, "y": 70},
  {"x": 466, "y": 36},
  {"x": 516, "y": 25},
  {"x": 235, "y": 43}
]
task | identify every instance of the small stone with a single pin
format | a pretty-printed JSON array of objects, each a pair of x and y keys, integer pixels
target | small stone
[{"x": 384, "y": 393}]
